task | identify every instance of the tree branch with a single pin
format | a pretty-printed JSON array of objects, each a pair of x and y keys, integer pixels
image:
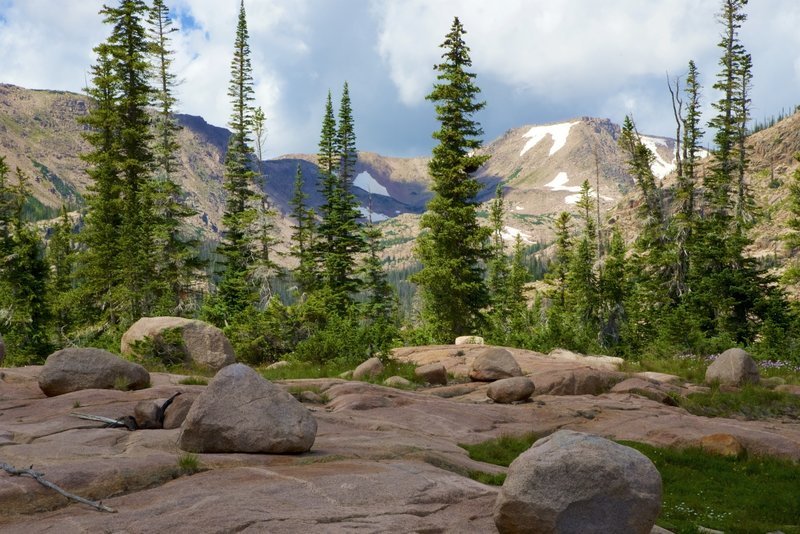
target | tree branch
[{"x": 39, "y": 477}]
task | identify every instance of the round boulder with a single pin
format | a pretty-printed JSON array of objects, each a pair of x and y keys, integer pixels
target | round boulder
[
  {"x": 432, "y": 373},
  {"x": 74, "y": 369},
  {"x": 469, "y": 340},
  {"x": 493, "y": 363},
  {"x": 368, "y": 369},
  {"x": 240, "y": 411},
  {"x": 734, "y": 367},
  {"x": 191, "y": 340},
  {"x": 508, "y": 390},
  {"x": 576, "y": 482}
]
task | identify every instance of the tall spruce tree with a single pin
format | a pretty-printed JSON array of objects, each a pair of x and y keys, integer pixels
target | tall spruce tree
[
  {"x": 24, "y": 313},
  {"x": 302, "y": 248},
  {"x": 176, "y": 254},
  {"x": 452, "y": 245},
  {"x": 235, "y": 292}
]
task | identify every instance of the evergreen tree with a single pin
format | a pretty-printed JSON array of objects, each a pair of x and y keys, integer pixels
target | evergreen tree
[
  {"x": 265, "y": 268},
  {"x": 177, "y": 263},
  {"x": 582, "y": 284},
  {"x": 24, "y": 314},
  {"x": 499, "y": 270},
  {"x": 380, "y": 306},
  {"x": 612, "y": 292},
  {"x": 452, "y": 245},
  {"x": 61, "y": 260},
  {"x": 560, "y": 265},
  {"x": 235, "y": 292},
  {"x": 302, "y": 249}
]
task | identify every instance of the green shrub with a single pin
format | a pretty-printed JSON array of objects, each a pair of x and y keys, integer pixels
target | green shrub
[
  {"x": 189, "y": 464},
  {"x": 166, "y": 348},
  {"x": 194, "y": 381}
]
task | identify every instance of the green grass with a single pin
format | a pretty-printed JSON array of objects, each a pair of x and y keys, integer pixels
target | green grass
[
  {"x": 301, "y": 370},
  {"x": 194, "y": 381},
  {"x": 734, "y": 495},
  {"x": 693, "y": 368},
  {"x": 189, "y": 463},
  {"x": 749, "y": 402}
]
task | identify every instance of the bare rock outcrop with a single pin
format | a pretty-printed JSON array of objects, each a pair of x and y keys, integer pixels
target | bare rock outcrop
[
  {"x": 240, "y": 411},
  {"x": 200, "y": 343},
  {"x": 494, "y": 363},
  {"x": 508, "y": 390},
  {"x": 576, "y": 482},
  {"x": 575, "y": 381},
  {"x": 734, "y": 367},
  {"x": 74, "y": 369}
]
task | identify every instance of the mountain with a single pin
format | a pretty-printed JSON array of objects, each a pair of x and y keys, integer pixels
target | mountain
[{"x": 540, "y": 167}]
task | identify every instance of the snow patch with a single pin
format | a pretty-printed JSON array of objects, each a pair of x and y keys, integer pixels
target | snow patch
[
  {"x": 369, "y": 184},
  {"x": 557, "y": 132},
  {"x": 559, "y": 183},
  {"x": 661, "y": 167},
  {"x": 376, "y": 217},
  {"x": 510, "y": 233}
]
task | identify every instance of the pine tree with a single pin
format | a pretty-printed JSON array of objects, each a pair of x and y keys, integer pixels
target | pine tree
[
  {"x": 177, "y": 263},
  {"x": 235, "y": 292},
  {"x": 559, "y": 268},
  {"x": 380, "y": 306},
  {"x": 61, "y": 260},
  {"x": 302, "y": 249},
  {"x": 582, "y": 284},
  {"x": 265, "y": 268},
  {"x": 452, "y": 245},
  {"x": 499, "y": 269},
  {"x": 24, "y": 313}
]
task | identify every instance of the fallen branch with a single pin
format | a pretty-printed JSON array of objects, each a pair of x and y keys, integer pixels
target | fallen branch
[
  {"x": 39, "y": 477},
  {"x": 123, "y": 422}
]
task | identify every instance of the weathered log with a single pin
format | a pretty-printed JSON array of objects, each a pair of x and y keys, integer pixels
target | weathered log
[
  {"x": 39, "y": 477},
  {"x": 123, "y": 422}
]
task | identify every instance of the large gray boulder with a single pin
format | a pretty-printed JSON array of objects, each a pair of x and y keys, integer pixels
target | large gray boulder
[
  {"x": 508, "y": 390},
  {"x": 432, "y": 373},
  {"x": 74, "y": 369},
  {"x": 239, "y": 411},
  {"x": 493, "y": 363},
  {"x": 571, "y": 482},
  {"x": 193, "y": 341},
  {"x": 734, "y": 367}
]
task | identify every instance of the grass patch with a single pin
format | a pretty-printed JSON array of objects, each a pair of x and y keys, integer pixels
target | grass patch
[
  {"x": 395, "y": 368},
  {"x": 729, "y": 494},
  {"x": 492, "y": 479},
  {"x": 194, "y": 381},
  {"x": 299, "y": 370},
  {"x": 749, "y": 402},
  {"x": 189, "y": 463},
  {"x": 734, "y": 495}
]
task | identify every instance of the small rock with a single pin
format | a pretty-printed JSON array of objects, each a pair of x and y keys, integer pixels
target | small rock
[
  {"x": 508, "y": 390},
  {"x": 493, "y": 363},
  {"x": 704, "y": 530},
  {"x": 722, "y": 444},
  {"x": 347, "y": 375},
  {"x": 794, "y": 389},
  {"x": 576, "y": 482},
  {"x": 278, "y": 365},
  {"x": 396, "y": 382},
  {"x": 734, "y": 367},
  {"x": 311, "y": 397},
  {"x": 772, "y": 382},
  {"x": 175, "y": 413},
  {"x": 203, "y": 344},
  {"x": 469, "y": 340},
  {"x": 658, "y": 530},
  {"x": 645, "y": 388},
  {"x": 369, "y": 369},
  {"x": 239, "y": 411},
  {"x": 433, "y": 373},
  {"x": 146, "y": 413},
  {"x": 74, "y": 369}
]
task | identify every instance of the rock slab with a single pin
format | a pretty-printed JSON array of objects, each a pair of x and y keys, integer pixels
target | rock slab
[
  {"x": 508, "y": 390},
  {"x": 734, "y": 367},
  {"x": 74, "y": 369},
  {"x": 572, "y": 482},
  {"x": 240, "y": 411},
  {"x": 203, "y": 344},
  {"x": 494, "y": 363}
]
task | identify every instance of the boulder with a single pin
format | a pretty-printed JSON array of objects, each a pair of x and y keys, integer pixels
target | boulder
[
  {"x": 175, "y": 413},
  {"x": 734, "y": 367},
  {"x": 239, "y": 411},
  {"x": 722, "y": 444},
  {"x": 650, "y": 389},
  {"x": 397, "y": 382},
  {"x": 493, "y": 363},
  {"x": 469, "y": 340},
  {"x": 433, "y": 373},
  {"x": 575, "y": 381},
  {"x": 74, "y": 369},
  {"x": 279, "y": 365},
  {"x": 198, "y": 342},
  {"x": 368, "y": 369},
  {"x": 508, "y": 390},
  {"x": 576, "y": 482},
  {"x": 792, "y": 389},
  {"x": 146, "y": 413}
]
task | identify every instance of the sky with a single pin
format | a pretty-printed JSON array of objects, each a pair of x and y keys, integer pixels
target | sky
[{"x": 536, "y": 61}]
